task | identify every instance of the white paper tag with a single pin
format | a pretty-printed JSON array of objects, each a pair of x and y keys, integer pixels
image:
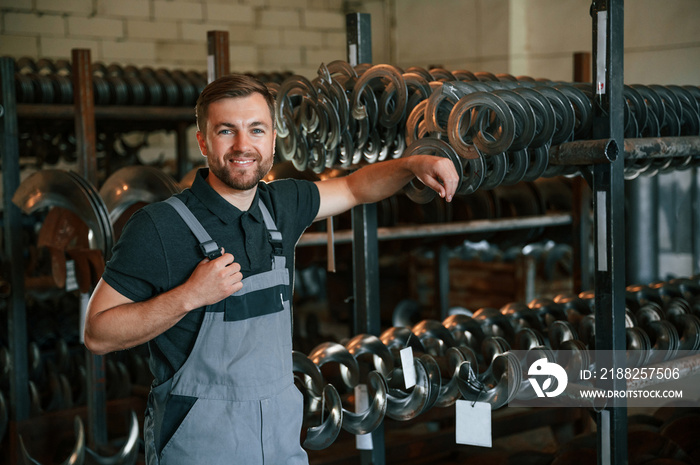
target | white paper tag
[
  {"x": 71, "y": 280},
  {"x": 473, "y": 426},
  {"x": 362, "y": 441},
  {"x": 602, "y": 229},
  {"x": 352, "y": 54},
  {"x": 210, "y": 68},
  {"x": 84, "y": 300},
  {"x": 601, "y": 52},
  {"x": 409, "y": 369}
]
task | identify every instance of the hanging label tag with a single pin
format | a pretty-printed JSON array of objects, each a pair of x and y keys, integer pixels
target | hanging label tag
[
  {"x": 602, "y": 230},
  {"x": 211, "y": 71},
  {"x": 362, "y": 441},
  {"x": 473, "y": 426},
  {"x": 71, "y": 280},
  {"x": 601, "y": 52},
  {"x": 352, "y": 54},
  {"x": 409, "y": 369}
]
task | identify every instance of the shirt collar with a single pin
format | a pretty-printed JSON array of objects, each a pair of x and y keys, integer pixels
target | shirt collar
[{"x": 217, "y": 204}]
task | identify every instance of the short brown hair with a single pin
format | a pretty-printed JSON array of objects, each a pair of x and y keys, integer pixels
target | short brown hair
[{"x": 231, "y": 86}]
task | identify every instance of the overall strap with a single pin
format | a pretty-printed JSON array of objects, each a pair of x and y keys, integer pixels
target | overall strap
[
  {"x": 274, "y": 235},
  {"x": 207, "y": 245}
]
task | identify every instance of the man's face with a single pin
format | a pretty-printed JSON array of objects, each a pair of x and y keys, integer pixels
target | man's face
[{"x": 240, "y": 141}]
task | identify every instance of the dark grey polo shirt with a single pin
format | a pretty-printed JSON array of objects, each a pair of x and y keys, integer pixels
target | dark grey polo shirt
[{"x": 157, "y": 251}]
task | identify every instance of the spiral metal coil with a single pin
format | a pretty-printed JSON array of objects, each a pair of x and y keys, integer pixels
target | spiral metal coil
[
  {"x": 479, "y": 357},
  {"x": 45, "y": 81},
  {"x": 497, "y": 129}
]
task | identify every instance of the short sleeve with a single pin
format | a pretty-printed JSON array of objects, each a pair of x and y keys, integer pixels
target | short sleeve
[
  {"x": 297, "y": 201},
  {"x": 138, "y": 267}
]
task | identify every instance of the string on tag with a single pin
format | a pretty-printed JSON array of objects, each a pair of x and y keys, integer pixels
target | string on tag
[{"x": 473, "y": 382}]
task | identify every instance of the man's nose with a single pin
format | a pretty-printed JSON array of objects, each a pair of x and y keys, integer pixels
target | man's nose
[{"x": 241, "y": 142}]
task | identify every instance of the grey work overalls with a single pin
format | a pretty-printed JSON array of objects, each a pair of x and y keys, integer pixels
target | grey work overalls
[{"x": 236, "y": 389}]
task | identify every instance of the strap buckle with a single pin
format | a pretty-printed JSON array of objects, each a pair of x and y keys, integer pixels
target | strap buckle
[{"x": 210, "y": 249}]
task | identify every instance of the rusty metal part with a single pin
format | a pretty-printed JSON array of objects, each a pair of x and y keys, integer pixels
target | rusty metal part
[{"x": 50, "y": 187}]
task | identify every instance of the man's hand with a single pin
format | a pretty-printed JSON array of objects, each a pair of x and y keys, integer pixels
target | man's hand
[
  {"x": 115, "y": 322},
  {"x": 213, "y": 280},
  {"x": 437, "y": 173}
]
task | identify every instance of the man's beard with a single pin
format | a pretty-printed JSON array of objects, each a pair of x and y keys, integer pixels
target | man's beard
[{"x": 227, "y": 174}]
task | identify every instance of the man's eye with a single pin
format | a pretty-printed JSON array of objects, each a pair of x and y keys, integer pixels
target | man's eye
[
  {"x": 225, "y": 131},
  {"x": 258, "y": 131}
]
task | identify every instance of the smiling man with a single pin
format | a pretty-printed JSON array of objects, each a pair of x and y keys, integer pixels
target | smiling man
[{"x": 205, "y": 278}]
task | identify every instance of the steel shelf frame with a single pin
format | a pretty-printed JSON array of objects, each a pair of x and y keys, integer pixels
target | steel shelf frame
[{"x": 609, "y": 217}]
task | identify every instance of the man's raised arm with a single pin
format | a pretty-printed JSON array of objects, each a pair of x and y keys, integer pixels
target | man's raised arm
[{"x": 378, "y": 181}]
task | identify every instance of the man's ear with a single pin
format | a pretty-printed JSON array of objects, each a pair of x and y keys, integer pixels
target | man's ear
[{"x": 202, "y": 143}]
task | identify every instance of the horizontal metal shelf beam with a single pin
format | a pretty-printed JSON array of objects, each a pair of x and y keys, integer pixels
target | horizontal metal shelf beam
[
  {"x": 687, "y": 366},
  {"x": 443, "y": 229},
  {"x": 138, "y": 113},
  {"x": 589, "y": 152}
]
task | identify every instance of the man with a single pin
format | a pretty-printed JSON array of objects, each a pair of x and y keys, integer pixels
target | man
[{"x": 219, "y": 328}]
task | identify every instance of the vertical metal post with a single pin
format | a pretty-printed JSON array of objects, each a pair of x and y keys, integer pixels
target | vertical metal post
[
  {"x": 182, "y": 152},
  {"x": 581, "y": 201},
  {"x": 609, "y": 220},
  {"x": 582, "y": 67},
  {"x": 442, "y": 280},
  {"x": 365, "y": 242},
  {"x": 84, "y": 103},
  {"x": 12, "y": 221},
  {"x": 642, "y": 240},
  {"x": 581, "y": 225},
  {"x": 695, "y": 216},
  {"x": 218, "y": 63},
  {"x": 85, "y": 138}
]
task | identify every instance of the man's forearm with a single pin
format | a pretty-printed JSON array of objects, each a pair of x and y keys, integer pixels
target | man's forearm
[
  {"x": 376, "y": 182},
  {"x": 130, "y": 324}
]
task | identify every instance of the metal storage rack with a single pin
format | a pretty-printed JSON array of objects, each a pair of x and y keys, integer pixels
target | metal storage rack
[
  {"x": 605, "y": 158},
  {"x": 85, "y": 114},
  {"x": 606, "y": 178}
]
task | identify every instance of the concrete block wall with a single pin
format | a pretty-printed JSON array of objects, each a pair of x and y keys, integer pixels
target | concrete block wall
[
  {"x": 534, "y": 37},
  {"x": 264, "y": 35}
]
